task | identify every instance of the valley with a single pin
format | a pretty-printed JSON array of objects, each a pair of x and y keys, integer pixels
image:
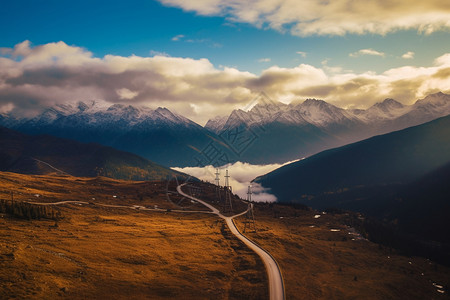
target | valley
[{"x": 95, "y": 251}]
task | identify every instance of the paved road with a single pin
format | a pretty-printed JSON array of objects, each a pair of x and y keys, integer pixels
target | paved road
[
  {"x": 276, "y": 285},
  {"x": 58, "y": 203}
]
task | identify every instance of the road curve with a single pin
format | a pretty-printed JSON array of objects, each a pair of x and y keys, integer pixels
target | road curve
[
  {"x": 57, "y": 203},
  {"x": 276, "y": 285}
]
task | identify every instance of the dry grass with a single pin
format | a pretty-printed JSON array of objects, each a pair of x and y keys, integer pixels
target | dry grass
[
  {"x": 318, "y": 263},
  {"x": 99, "y": 252}
]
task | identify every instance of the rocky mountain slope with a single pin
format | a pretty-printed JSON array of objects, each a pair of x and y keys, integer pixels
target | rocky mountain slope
[{"x": 287, "y": 132}]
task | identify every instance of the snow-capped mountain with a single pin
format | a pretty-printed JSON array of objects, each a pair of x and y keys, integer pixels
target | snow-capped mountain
[
  {"x": 159, "y": 135},
  {"x": 290, "y": 131},
  {"x": 269, "y": 132},
  {"x": 217, "y": 123},
  {"x": 323, "y": 114}
]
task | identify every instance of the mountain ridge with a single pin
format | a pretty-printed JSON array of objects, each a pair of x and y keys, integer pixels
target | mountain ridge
[
  {"x": 159, "y": 135},
  {"x": 391, "y": 151},
  {"x": 45, "y": 154},
  {"x": 268, "y": 132}
]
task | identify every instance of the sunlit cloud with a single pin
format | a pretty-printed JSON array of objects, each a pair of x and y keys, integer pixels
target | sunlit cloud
[
  {"x": 177, "y": 37},
  {"x": 367, "y": 52},
  {"x": 338, "y": 17},
  {"x": 33, "y": 77},
  {"x": 408, "y": 55},
  {"x": 303, "y": 54},
  {"x": 126, "y": 94},
  {"x": 241, "y": 175},
  {"x": 263, "y": 60}
]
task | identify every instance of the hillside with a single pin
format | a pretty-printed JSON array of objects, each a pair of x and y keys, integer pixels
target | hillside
[
  {"x": 394, "y": 158},
  {"x": 45, "y": 154},
  {"x": 101, "y": 252}
]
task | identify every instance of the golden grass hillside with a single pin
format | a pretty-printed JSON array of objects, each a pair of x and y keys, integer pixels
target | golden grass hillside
[{"x": 98, "y": 252}]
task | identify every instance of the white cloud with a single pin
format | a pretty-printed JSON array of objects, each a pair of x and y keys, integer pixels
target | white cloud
[
  {"x": 303, "y": 54},
  {"x": 408, "y": 55},
  {"x": 125, "y": 93},
  {"x": 264, "y": 60},
  {"x": 158, "y": 53},
  {"x": 177, "y": 37},
  {"x": 337, "y": 17},
  {"x": 58, "y": 73},
  {"x": 241, "y": 175},
  {"x": 367, "y": 52}
]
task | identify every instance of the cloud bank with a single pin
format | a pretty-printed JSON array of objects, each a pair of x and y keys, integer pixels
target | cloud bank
[
  {"x": 337, "y": 17},
  {"x": 32, "y": 77},
  {"x": 241, "y": 174},
  {"x": 367, "y": 52}
]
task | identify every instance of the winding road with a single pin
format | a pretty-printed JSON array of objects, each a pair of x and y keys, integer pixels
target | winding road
[{"x": 276, "y": 285}]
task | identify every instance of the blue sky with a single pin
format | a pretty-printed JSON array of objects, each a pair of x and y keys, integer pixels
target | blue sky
[
  {"x": 254, "y": 38},
  {"x": 140, "y": 26}
]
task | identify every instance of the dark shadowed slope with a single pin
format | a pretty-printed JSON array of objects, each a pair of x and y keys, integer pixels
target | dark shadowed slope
[
  {"x": 394, "y": 158},
  {"x": 401, "y": 179},
  {"x": 45, "y": 154}
]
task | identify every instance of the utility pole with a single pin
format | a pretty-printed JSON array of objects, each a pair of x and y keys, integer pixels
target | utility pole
[
  {"x": 217, "y": 184},
  {"x": 250, "y": 217},
  {"x": 228, "y": 207}
]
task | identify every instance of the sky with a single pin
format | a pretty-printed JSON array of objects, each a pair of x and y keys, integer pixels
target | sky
[{"x": 203, "y": 58}]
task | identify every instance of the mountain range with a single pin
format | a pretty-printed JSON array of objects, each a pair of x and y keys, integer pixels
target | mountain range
[
  {"x": 285, "y": 132},
  {"x": 270, "y": 132},
  {"x": 44, "y": 154},
  {"x": 158, "y": 135}
]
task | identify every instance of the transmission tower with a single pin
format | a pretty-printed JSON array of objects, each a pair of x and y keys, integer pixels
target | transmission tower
[
  {"x": 217, "y": 184},
  {"x": 250, "y": 217},
  {"x": 228, "y": 206}
]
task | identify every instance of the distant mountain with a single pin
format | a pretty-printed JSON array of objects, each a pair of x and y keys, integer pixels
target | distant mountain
[
  {"x": 158, "y": 135},
  {"x": 287, "y": 132},
  {"x": 44, "y": 154},
  {"x": 395, "y": 158},
  {"x": 270, "y": 132}
]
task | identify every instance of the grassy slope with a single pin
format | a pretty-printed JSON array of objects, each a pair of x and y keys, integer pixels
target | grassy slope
[
  {"x": 112, "y": 253},
  {"x": 98, "y": 252}
]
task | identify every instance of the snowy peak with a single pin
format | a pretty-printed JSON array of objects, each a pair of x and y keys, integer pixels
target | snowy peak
[
  {"x": 387, "y": 110},
  {"x": 323, "y": 114},
  {"x": 388, "y": 105},
  {"x": 438, "y": 99},
  {"x": 174, "y": 118},
  {"x": 311, "y": 102},
  {"x": 93, "y": 114},
  {"x": 216, "y": 124}
]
